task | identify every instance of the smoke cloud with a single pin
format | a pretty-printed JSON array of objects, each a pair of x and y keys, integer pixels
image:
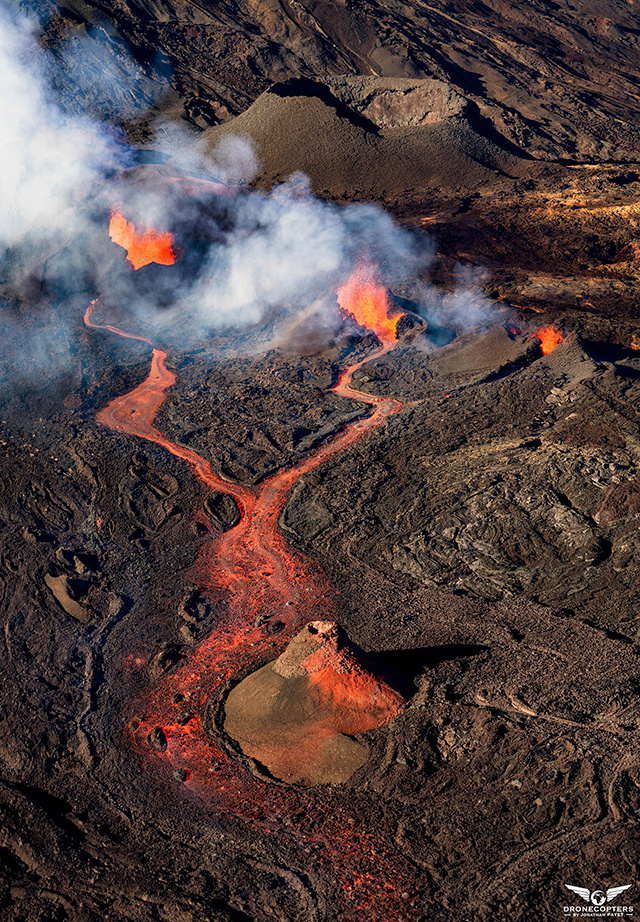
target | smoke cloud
[
  {"x": 50, "y": 161},
  {"x": 244, "y": 256}
]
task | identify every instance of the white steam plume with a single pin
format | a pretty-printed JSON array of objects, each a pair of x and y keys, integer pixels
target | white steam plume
[
  {"x": 49, "y": 161},
  {"x": 288, "y": 248},
  {"x": 465, "y": 306},
  {"x": 270, "y": 253},
  {"x": 233, "y": 161}
]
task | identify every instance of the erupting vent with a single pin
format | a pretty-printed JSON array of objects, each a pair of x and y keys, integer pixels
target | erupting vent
[
  {"x": 549, "y": 338},
  {"x": 368, "y": 303},
  {"x": 150, "y": 246}
]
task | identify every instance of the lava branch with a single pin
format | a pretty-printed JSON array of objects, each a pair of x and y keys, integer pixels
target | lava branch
[
  {"x": 105, "y": 326},
  {"x": 258, "y": 573},
  {"x": 134, "y": 414}
]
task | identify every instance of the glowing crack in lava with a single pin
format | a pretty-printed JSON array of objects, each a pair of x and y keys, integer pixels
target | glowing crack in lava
[
  {"x": 368, "y": 302},
  {"x": 250, "y": 571},
  {"x": 549, "y": 338},
  {"x": 144, "y": 248}
]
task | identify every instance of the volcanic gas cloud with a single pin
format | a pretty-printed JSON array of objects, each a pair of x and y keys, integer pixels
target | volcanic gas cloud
[{"x": 143, "y": 248}]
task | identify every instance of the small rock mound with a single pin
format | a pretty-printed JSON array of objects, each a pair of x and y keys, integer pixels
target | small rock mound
[
  {"x": 397, "y": 102},
  {"x": 297, "y": 714}
]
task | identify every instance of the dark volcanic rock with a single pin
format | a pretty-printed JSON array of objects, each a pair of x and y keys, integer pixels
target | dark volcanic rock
[
  {"x": 157, "y": 739},
  {"x": 165, "y": 660},
  {"x": 620, "y": 501},
  {"x": 484, "y": 541},
  {"x": 438, "y": 530},
  {"x": 528, "y": 496},
  {"x": 222, "y": 510},
  {"x": 539, "y": 87}
]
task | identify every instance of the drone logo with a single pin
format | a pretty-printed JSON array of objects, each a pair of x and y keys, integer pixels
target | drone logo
[{"x": 598, "y": 897}]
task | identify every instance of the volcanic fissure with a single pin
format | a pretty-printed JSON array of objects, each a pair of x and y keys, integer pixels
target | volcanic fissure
[
  {"x": 256, "y": 571},
  {"x": 260, "y": 577}
]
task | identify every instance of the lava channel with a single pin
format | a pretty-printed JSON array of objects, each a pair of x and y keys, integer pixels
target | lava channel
[{"x": 254, "y": 570}]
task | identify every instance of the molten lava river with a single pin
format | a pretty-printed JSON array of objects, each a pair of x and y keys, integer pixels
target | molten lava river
[{"x": 256, "y": 571}]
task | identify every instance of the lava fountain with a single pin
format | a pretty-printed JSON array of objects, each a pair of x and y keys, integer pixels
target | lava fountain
[
  {"x": 368, "y": 303},
  {"x": 143, "y": 248},
  {"x": 549, "y": 338}
]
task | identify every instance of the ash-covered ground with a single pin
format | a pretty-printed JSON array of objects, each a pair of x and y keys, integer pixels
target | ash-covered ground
[{"x": 483, "y": 541}]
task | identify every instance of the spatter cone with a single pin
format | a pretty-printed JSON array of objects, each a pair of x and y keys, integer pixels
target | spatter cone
[{"x": 298, "y": 715}]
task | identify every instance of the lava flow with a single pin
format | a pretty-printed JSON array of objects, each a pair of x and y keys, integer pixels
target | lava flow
[
  {"x": 144, "y": 248},
  {"x": 255, "y": 575}
]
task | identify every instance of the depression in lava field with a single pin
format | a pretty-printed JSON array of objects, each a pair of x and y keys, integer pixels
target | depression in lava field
[{"x": 320, "y": 494}]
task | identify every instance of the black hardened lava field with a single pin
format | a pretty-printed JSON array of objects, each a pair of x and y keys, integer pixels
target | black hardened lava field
[{"x": 320, "y": 432}]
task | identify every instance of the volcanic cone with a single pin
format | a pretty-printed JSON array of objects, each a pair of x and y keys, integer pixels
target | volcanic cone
[{"x": 297, "y": 715}]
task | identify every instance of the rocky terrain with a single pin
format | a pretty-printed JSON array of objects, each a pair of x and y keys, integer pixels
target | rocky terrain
[
  {"x": 557, "y": 80},
  {"x": 510, "y": 135},
  {"x": 478, "y": 545},
  {"x": 483, "y": 546}
]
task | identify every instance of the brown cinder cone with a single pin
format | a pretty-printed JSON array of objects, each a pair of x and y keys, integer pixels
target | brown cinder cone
[{"x": 298, "y": 714}]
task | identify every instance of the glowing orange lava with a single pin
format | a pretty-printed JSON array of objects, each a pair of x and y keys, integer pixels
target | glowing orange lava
[
  {"x": 368, "y": 302},
  {"x": 142, "y": 248},
  {"x": 255, "y": 571},
  {"x": 549, "y": 338},
  {"x": 105, "y": 326}
]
